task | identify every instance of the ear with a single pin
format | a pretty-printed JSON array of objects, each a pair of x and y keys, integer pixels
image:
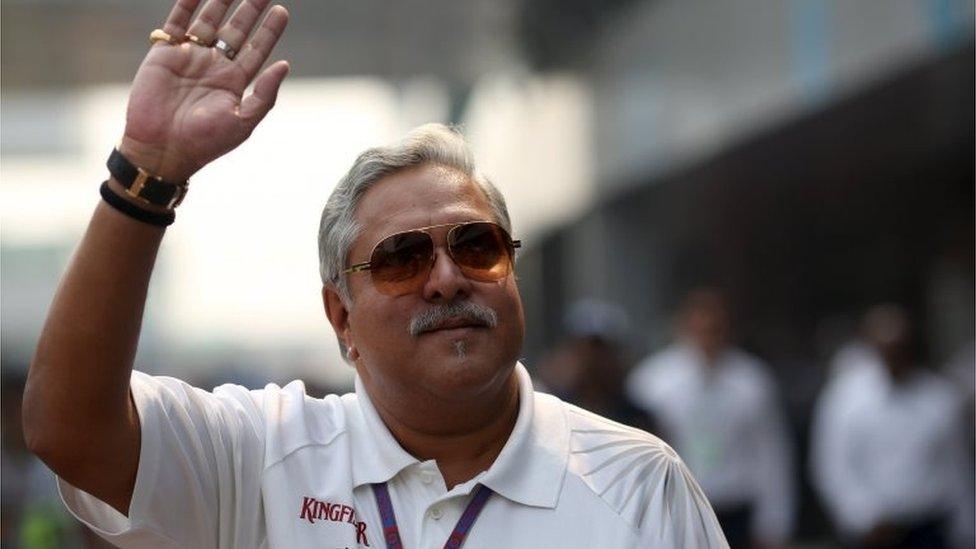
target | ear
[{"x": 338, "y": 315}]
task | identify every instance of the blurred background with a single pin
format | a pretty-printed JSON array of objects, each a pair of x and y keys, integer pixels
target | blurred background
[{"x": 803, "y": 160}]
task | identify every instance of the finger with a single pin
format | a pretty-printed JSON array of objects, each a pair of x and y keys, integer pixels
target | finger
[
  {"x": 180, "y": 16},
  {"x": 205, "y": 25},
  {"x": 260, "y": 101},
  {"x": 240, "y": 25},
  {"x": 259, "y": 47}
]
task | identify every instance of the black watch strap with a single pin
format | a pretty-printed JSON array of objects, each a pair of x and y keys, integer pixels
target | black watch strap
[{"x": 142, "y": 185}]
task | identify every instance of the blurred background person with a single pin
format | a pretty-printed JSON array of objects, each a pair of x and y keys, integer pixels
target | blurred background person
[
  {"x": 960, "y": 370},
  {"x": 720, "y": 408},
  {"x": 888, "y": 453},
  {"x": 589, "y": 366}
]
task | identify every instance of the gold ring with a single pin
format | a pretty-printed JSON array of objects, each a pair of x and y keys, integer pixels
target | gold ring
[
  {"x": 159, "y": 35},
  {"x": 196, "y": 40}
]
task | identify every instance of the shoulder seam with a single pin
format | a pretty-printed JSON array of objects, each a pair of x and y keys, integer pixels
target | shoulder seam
[
  {"x": 298, "y": 447},
  {"x": 612, "y": 426}
]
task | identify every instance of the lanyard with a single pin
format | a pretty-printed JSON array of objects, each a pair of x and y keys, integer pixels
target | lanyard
[{"x": 392, "y": 534}]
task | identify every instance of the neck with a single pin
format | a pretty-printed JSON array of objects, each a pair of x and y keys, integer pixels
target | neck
[
  {"x": 709, "y": 354},
  {"x": 464, "y": 438}
]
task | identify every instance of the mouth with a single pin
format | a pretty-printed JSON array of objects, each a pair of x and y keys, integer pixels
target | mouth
[{"x": 456, "y": 324}]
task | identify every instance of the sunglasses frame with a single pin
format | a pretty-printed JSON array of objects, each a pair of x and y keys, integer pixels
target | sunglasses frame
[{"x": 367, "y": 265}]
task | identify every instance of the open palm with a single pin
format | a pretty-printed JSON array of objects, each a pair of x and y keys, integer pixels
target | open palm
[{"x": 187, "y": 105}]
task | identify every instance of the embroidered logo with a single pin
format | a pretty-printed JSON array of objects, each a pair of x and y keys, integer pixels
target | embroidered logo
[{"x": 313, "y": 510}]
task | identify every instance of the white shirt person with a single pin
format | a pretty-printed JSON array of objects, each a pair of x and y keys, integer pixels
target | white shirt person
[
  {"x": 888, "y": 454},
  {"x": 417, "y": 267},
  {"x": 718, "y": 406},
  {"x": 888, "y": 444}
]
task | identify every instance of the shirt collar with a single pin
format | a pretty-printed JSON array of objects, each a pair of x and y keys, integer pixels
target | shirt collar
[
  {"x": 377, "y": 456},
  {"x": 529, "y": 469},
  {"x": 532, "y": 464}
]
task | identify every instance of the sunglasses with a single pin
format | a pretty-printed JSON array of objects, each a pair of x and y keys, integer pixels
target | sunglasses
[{"x": 401, "y": 262}]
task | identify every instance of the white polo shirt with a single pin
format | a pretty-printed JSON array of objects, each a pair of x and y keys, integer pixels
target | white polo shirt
[{"x": 277, "y": 468}]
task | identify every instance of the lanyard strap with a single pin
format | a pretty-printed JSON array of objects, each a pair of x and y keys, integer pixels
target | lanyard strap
[{"x": 391, "y": 533}]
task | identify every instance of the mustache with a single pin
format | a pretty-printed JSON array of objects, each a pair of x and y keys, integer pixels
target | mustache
[{"x": 441, "y": 314}]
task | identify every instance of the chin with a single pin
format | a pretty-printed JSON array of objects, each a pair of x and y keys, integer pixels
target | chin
[{"x": 463, "y": 369}]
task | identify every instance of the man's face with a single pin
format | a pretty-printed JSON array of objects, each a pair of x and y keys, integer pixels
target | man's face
[
  {"x": 705, "y": 322},
  {"x": 452, "y": 364}
]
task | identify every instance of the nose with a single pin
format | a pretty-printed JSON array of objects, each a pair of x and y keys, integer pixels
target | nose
[{"x": 446, "y": 281}]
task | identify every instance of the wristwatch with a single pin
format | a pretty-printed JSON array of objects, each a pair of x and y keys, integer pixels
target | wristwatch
[{"x": 143, "y": 186}]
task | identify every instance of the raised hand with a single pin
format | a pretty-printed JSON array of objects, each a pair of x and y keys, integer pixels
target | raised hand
[{"x": 187, "y": 104}]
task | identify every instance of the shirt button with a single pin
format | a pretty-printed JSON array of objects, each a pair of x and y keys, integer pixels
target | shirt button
[
  {"x": 436, "y": 513},
  {"x": 426, "y": 477}
]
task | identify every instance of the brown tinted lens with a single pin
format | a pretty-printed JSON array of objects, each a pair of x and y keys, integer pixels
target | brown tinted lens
[
  {"x": 481, "y": 251},
  {"x": 399, "y": 260}
]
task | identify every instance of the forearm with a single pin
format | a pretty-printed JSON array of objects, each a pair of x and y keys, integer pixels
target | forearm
[{"x": 78, "y": 383}]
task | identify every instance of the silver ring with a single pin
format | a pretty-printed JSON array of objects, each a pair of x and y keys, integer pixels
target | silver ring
[{"x": 225, "y": 49}]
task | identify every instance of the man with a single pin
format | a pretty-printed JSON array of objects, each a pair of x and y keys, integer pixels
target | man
[
  {"x": 444, "y": 441},
  {"x": 718, "y": 406},
  {"x": 888, "y": 447}
]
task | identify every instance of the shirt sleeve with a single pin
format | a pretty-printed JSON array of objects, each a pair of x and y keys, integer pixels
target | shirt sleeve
[
  {"x": 833, "y": 467},
  {"x": 198, "y": 480},
  {"x": 775, "y": 493},
  {"x": 681, "y": 508}
]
